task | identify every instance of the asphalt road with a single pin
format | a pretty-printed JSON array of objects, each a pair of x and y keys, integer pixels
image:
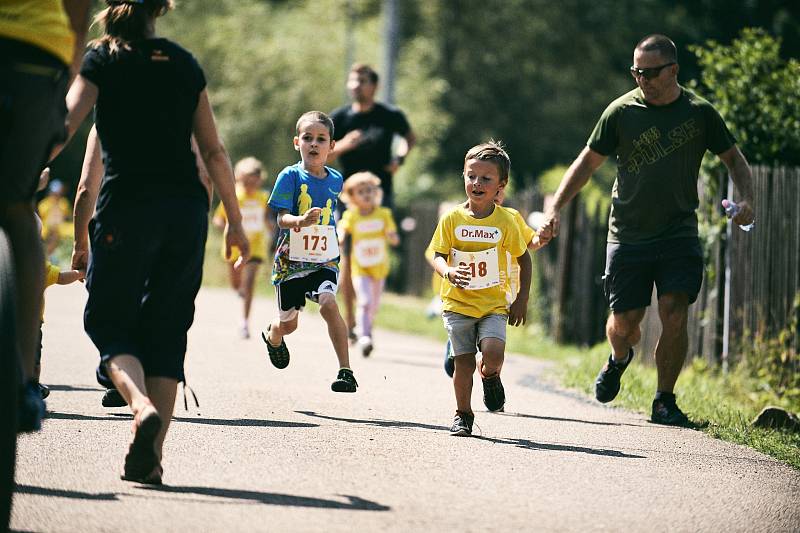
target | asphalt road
[{"x": 273, "y": 450}]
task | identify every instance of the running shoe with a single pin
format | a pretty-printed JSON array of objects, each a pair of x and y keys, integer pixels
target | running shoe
[
  {"x": 449, "y": 360},
  {"x": 112, "y": 398},
  {"x": 345, "y": 381},
  {"x": 244, "y": 333},
  {"x": 365, "y": 344},
  {"x": 666, "y": 411},
  {"x": 44, "y": 390},
  {"x": 278, "y": 355},
  {"x": 606, "y": 386},
  {"x": 30, "y": 408},
  {"x": 462, "y": 424},
  {"x": 494, "y": 395}
]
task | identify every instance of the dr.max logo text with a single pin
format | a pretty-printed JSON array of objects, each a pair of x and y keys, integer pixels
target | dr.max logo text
[{"x": 478, "y": 233}]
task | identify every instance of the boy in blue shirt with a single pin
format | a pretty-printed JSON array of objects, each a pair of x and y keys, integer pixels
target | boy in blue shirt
[{"x": 306, "y": 264}]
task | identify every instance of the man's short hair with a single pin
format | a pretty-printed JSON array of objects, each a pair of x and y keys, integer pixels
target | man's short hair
[
  {"x": 314, "y": 116},
  {"x": 494, "y": 152},
  {"x": 363, "y": 68},
  {"x": 661, "y": 44}
]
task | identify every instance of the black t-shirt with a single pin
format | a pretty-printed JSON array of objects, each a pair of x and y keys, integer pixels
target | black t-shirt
[
  {"x": 378, "y": 126},
  {"x": 144, "y": 115}
]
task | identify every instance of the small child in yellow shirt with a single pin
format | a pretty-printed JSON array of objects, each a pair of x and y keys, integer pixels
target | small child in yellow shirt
[
  {"x": 474, "y": 243},
  {"x": 371, "y": 228},
  {"x": 259, "y": 227}
]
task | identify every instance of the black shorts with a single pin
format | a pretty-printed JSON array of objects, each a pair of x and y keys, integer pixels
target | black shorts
[
  {"x": 33, "y": 87},
  {"x": 674, "y": 265},
  {"x": 292, "y": 294},
  {"x": 144, "y": 272}
]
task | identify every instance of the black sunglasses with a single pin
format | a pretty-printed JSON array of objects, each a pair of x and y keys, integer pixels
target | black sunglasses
[{"x": 649, "y": 73}]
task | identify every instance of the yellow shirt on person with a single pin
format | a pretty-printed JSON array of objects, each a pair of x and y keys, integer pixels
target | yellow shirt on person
[
  {"x": 484, "y": 244},
  {"x": 369, "y": 251},
  {"x": 51, "y": 273},
  {"x": 41, "y": 23},
  {"x": 253, "y": 207},
  {"x": 54, "y": 212}
]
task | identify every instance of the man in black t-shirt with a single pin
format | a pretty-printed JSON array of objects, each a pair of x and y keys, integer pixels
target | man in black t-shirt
[
  {"x": 658, "y": 134},
  {"x": 365, "y": 129}
]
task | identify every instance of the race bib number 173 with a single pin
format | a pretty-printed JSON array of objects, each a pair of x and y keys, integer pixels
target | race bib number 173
[{"x": 313, "y": 244}]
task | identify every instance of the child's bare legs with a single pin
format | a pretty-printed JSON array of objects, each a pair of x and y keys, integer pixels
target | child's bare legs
[
  {"x": 462, "y": 381},
  {"x": 247, "y": 282},
  {"x": 278, "y": 328},
  {"x": 235, "y": 277},
  {"x": 337, "y": 329},
  {"x": 348, "y": 291},
  {"x": 493, "y": 353}
]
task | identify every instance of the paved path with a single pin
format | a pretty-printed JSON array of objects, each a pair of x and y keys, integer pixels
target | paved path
[{"x": 276, "y": 450}]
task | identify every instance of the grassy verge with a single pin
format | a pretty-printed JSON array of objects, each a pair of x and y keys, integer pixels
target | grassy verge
[{"x": 726, "y": 402}]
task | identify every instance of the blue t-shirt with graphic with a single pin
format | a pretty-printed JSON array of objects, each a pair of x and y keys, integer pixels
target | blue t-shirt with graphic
[{"x": 298, "y": 191}]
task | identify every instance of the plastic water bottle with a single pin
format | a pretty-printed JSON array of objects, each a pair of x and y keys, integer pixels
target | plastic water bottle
[{"x": 732, "y": 209}]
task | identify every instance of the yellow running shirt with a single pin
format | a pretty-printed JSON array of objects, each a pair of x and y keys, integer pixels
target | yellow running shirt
[
  {"x": 42, "y": 23},
  {"x": 370, "y": 253},
  {"x": 254, "y": 209},
  {"x": 483, "y": 245}
]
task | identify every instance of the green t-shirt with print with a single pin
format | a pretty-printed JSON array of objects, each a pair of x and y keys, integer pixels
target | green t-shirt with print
[{"x": 658, "y": 151}]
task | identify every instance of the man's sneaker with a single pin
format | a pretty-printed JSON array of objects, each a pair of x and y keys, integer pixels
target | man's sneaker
[
  {"x": 112, "y": 398},
  {"x": 606, "y": 386},
  {"x": 666, "y": 411},
  {"x": 449, "y": 360},
  {"x": 494, "y": 395},
  {"x": 44, "y": 390},
  {"x": 345, "y": 381},
  {"x": 30, "y": 409},
  {"x": 365, "y": 343},
  {"x": 278, "y": 355},
  {"x": 462, "y": 424}
]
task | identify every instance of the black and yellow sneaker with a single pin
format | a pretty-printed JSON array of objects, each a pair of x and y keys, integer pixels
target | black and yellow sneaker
[
  {"x": 345, "y": 381},
  {"x": 494, "y": 395},
  {"x": 278, "y": 355},
  {"x": 606, "y": 386},
  {"x": 666, "y": 411},
  {"x": 462, "y": 424}
]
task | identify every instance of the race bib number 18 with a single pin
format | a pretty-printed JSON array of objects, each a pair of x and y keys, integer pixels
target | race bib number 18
[
  {"x": 484, "y": 268},
  {"x": 313, "y": 244}
]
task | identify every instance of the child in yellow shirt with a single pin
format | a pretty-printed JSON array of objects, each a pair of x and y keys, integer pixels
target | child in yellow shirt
[
  {"x": 54, "y": 211},
  {"x": 258, "y": 225},
  {"x": 371, "y": 228},
  {"x": 473, "y": 243}
]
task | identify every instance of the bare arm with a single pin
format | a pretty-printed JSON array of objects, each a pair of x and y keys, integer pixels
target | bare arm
[
  {"x": 85, "y": 199},
  {"x": 220, "y": 172},
  {"x": 518, "y": 312},
  {"x": 70, "y": 276},
  {"x": 573, "y": 181},
  {"x": 81, "y": 98},
  {"x": 458, "y": 276},
  {"x": 286, "y": 220},
  {"x": 78, "y": 14},
  {"x": 202, "y": 172},
  {"x": 742, "y": 178}
]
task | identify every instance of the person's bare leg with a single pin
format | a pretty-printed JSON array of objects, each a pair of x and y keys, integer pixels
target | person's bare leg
[
  {"x": 348, "y": 292},
  {"x": 19, "y": 222},
  {"x": 277, "y": 329},
  {"x": 337, "y": 329},
  {"x": 235, "y": 278},
  {"x": 246, "y": 287},
  {"x": 492, "y": 355},
  {"x": 462, "y": 381},
  {"x": 673, "y": 309},
  {"x": 128, "y": 376},
  {"x": 623, "y": 332},
  {"x": 162, "y": 392}
]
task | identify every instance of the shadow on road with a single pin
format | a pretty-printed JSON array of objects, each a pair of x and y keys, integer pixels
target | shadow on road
[
  {"x": 531, "y": 445},
  {"x": 63, "y": 493},
  {"x": 353, "y": 503},
  {"x": 408, "y": 362},
  {"x": 70, "y": 388},
  {"x": 559, "y": 419},
  {"x": 234, "y": 422},
  {"x": 377, "y": 422}
]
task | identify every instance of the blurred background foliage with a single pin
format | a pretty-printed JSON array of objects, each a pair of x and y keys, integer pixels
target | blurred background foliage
[{"x": 533, "y": 73}]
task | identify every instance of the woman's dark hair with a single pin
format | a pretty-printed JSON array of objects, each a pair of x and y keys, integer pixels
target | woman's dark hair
[{"x": 124, "y": 21}]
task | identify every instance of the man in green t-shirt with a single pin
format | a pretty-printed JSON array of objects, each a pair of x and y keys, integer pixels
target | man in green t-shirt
[{"x": 658, "y": 134}]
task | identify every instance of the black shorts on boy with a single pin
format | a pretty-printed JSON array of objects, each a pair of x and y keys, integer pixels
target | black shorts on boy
[
  {"x": 293, "y": 293},
  {"x": 673, "y": 265}
]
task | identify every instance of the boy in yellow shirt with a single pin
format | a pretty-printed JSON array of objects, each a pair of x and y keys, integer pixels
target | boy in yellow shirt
[
  {"x": 472, "y": 243},
  {"x": 258, "y": 224},
  {"x": 371, "y": 228}
]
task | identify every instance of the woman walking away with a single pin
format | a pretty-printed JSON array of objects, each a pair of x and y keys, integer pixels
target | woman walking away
[{"x": 148, "y": 232}]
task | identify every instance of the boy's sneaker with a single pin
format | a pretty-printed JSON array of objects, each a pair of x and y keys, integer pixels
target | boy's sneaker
[
  {"x": 112, "y": 398},
  {"x": 278, "y": 355},
  {"x": 449, "y": 360},
  {"x": 606, "y": 386},
  {"x": 44, "y": 390},
  {"x": 666, "y": 411},
  {"x": 345, "y": 381},
  {"x": 365, "y": 343},
  {"x": 30, "y": 409},
  {"x": 494, "y": 395},
  {"x": 462, "y": 424}
]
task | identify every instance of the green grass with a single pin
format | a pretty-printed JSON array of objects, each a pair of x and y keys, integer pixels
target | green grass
[{"x": 726, "y": 402}]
